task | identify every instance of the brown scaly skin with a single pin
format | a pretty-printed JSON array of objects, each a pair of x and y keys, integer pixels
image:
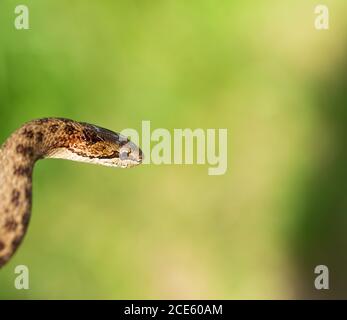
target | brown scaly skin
[{"x": 41, "y": 139}]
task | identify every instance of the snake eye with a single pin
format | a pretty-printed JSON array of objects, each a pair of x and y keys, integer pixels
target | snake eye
[{"x": 124, "y": 155}]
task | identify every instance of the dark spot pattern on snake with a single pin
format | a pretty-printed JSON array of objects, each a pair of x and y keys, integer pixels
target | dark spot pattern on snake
[
  {"x": 29, "y": 134},
  {"x": 26, "y": 218},
  {"x": 90, "y": 136},
  {"x": 11, "y": 224},
  {"x": 69, "y": 129},
  {"x": 15, "y": 197},
  {"x": 22, "y": 171},
  {"x": 53, "y": 128},
  {"x": 16, "y": 241},
  {"x": 39, "y": 137},
  {"x": 25, "y": 151}
]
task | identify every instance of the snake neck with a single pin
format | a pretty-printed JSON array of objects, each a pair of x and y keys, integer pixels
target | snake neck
[
  {"x": 33, "y": 141},
  {"x": 17, "y": 158}
]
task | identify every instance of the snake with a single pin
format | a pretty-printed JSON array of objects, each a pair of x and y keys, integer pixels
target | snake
[{"x": 45, "y": 138}]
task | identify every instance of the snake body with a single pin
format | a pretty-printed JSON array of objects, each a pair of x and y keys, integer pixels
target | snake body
[{"x": 49, "y": 138}]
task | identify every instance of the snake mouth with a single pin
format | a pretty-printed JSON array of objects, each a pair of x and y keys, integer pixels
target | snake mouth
[
  {"x": 129, "y": 163},
  {"x": 140, "y": 157}
]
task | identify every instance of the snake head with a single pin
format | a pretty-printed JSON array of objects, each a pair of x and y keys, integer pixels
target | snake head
[
  {"x": 112, "y": 149},
  {"x": 92, "y": 144}
]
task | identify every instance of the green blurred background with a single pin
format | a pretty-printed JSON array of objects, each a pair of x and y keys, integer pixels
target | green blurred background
[{"x": 259, "y": 69}]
